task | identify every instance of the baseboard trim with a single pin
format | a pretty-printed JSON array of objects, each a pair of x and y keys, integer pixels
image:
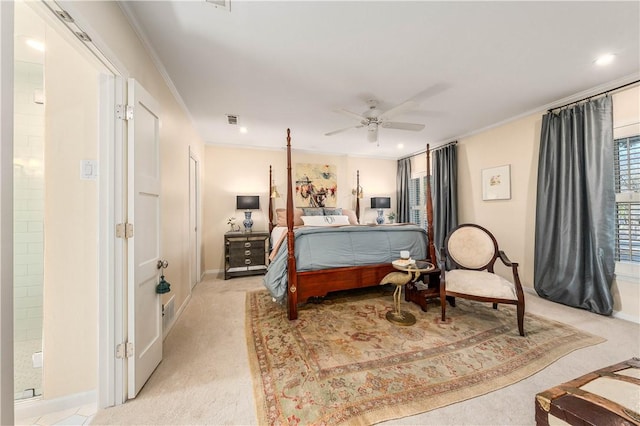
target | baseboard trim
[
  {"x": 626, "y": 317},
  {"x": 214, "y": 271},
  {"x": 176, "y": 316},
  {"x": 182, "y": 308},
  {"x": 615, "y": 314},
  {"x": 39, "y": 407}
]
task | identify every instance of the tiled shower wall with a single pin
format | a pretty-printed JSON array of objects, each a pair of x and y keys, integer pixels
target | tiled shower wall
[{"x": 28, "y": 201}]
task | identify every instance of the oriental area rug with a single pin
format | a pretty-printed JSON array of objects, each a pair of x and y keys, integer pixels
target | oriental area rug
[{"x": 342, "y": 362}]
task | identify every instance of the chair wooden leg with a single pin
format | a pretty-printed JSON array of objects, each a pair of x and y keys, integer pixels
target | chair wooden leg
[
  {"x": 520, "y": 312},
  {"x": 443, "y": 300}
]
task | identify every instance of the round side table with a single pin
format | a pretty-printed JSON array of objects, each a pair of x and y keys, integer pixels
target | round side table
[{"x": 410, "y": 272}]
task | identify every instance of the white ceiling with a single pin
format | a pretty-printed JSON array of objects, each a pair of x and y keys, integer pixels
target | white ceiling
[{"x": 470, "y": 65}]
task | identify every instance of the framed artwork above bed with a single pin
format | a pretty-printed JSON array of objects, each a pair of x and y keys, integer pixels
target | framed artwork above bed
[{"x": 316, "y": 185}]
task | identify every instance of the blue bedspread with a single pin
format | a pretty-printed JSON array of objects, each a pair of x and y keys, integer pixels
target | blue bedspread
[{"x": 319, "y": 248}]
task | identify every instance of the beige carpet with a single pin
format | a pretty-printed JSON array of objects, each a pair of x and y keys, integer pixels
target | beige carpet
[
  {"x": 205, "y": 379},
  {"x": 342, "y": 362}
]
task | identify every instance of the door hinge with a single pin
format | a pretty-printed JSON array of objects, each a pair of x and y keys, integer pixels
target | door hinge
[
  {"x": 124, "y": 230},
  {"x": 124, "y": 112},
  {"x": 124, "y": 350}
]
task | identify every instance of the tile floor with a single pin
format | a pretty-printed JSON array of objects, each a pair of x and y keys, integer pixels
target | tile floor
[
  {"x": 72, "y": 416},
  {"x": 27, "y": 379}
]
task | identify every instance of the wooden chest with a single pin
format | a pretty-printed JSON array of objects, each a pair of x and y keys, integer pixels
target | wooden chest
[{"x": 609, "y": 396}]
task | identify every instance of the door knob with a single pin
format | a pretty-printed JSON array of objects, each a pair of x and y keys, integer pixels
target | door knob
[{"x": 162, "y": 264}]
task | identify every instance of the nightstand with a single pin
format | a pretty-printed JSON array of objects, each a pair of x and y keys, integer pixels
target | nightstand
[
  {"x": 420, "y": 296},
  {"x": 245, "y": 253}
]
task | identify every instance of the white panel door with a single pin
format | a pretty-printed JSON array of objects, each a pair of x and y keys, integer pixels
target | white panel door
[{"x": 144, "y": 305}]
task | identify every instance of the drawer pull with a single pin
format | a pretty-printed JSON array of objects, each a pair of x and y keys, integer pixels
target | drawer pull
[
  {"x": 247, "y": 261},
  {"x": 247, "y": 244},
  {"x": 247, "y": 252}
]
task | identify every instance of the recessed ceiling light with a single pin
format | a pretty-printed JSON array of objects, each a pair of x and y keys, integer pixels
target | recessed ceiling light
[
  {"x": 243, "y": 130},
  {"x": 605, "y": 59},
  {"x": 400, "y": 146},
  {"x": 35, "y": 44}
]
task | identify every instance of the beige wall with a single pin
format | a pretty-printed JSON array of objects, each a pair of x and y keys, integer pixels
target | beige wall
[
  {"x": 231, "y": 172},
  {"x": 70, "y": 249}
]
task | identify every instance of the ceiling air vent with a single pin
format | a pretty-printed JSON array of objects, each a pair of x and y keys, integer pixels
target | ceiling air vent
[
  {"x": 221, "y": 4},
  {"x": 232, "y": 119}
]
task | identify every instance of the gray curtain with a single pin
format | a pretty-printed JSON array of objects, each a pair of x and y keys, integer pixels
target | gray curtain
[
  {"x": 402, "y": 183},
  {"x": 444, "y": 190},
  {"x": 574, "y": 241}
]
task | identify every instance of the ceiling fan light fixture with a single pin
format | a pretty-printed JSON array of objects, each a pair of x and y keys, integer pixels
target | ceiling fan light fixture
[{"x": 372, "y": 132}]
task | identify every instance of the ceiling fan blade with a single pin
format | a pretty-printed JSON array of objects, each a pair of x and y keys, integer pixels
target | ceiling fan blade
[
  {"x": 351, "y": 114},
  {"x": 430, "y": 91},
  {"x": 343, "y": 130},
  {"x": 398, "y": 109},
  {"x": 402, "y": 126}
]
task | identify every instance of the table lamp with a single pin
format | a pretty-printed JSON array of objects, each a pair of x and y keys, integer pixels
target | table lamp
[
  {"x": 380, "y": 203},
  {"x": 247, "y": 203}
]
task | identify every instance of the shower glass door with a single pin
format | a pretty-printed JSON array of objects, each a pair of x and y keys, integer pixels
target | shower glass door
[{"x": 29, "y": 121}]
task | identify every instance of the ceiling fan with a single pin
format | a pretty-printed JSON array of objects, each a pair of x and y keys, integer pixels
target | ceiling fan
[{"x": 374, "y": 118}]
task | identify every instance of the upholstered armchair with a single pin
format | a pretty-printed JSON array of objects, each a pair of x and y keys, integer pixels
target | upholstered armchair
[{"x": 470, "y": 251}]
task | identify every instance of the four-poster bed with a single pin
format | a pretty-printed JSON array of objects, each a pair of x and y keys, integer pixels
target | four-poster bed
[{"x": 319, "y": 260}]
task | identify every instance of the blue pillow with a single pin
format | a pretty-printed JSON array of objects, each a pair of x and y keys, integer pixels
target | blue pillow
[
  {"x": 336, "y": 211},
  {"x": 312, "y": 211}
]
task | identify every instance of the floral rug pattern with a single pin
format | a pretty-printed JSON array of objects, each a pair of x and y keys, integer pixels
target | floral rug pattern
[{"x": 343, "y": 362}]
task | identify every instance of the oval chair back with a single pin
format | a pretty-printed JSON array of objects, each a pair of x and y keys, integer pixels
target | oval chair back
[{"x": 471, "y": 246}]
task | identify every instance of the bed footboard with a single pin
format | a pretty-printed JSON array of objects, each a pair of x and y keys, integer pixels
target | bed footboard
[{"x": 320, "y": 283}]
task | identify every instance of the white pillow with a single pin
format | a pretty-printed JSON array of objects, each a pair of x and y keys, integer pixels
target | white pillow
[{"x": 325, "y": 220}]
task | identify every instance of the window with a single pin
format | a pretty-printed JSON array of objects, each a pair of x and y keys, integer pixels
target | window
[
  {"x": 627, "y": 186},
  {"x": 417, "y": 201}
]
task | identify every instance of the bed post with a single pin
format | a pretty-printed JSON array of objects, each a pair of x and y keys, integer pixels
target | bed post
[
  {"x": 270, "y": 200},
  {"x": 292, "y": 276},
  {"x": 358, "y": 193},
  {"x": 432, "y": 249}
]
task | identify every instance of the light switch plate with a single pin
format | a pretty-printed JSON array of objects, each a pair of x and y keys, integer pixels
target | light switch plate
[{"x": 88, "y": 169}]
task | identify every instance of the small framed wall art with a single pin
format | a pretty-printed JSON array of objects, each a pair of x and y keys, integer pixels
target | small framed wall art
[{"x": 496, "y": 183}]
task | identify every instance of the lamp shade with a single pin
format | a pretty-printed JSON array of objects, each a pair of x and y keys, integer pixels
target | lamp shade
[
  {"x": 380, "y": 202},
  {"x": 247, "y": 202}
]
